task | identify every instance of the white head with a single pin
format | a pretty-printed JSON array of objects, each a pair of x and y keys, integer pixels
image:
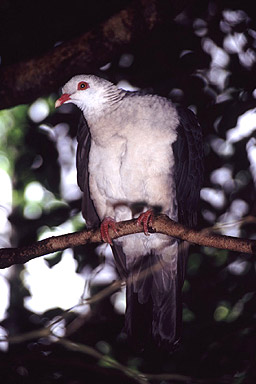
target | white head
[{"x": 89, "y": 93}]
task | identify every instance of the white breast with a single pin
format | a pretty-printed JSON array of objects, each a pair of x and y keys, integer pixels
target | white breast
[{"x": 134, "y": 167}]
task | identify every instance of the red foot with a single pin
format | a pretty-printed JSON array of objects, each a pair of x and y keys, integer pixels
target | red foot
[
  {"x": 146, "y": 219},
  {"x": 107, "y": 223}
]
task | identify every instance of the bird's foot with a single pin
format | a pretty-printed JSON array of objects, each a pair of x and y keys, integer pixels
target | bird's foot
[
  {"x": 107, "y": 223},
  {"x": 146, "y": 219}
]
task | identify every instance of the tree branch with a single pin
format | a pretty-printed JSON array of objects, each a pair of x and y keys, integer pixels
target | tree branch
[
  {"x": 162, "y": 224},
  {"x": 23, "y": 82}
]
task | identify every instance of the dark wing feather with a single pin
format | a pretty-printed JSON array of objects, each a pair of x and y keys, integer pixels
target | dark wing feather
[
  {"x": 82, "y": 160},
  {"x": 188, "y": 154}
]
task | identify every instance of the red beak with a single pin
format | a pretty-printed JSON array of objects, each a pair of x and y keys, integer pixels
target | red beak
[{"x": 62, "y": 100}]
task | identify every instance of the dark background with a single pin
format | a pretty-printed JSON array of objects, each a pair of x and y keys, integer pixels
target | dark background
[{"x": 179, "y": 59}]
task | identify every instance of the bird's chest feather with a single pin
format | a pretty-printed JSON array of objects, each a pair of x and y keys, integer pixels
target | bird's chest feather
[
  {"x": 104, "y": 168},
  {"x": 131, "y": 168}
]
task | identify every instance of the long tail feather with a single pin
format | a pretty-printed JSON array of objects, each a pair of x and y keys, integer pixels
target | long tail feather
[{"x": 153, "y": 309}]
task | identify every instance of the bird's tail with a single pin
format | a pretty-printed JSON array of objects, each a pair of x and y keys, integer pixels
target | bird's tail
[{"x": 154, "y": 308}]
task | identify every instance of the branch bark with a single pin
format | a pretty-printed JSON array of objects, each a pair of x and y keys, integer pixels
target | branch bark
[
  {"x": 162, "y": 224},
  {"x": 23, "y": 82}
]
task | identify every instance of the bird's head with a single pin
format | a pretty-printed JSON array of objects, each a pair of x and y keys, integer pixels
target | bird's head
[{"x": 88, "y": 92}]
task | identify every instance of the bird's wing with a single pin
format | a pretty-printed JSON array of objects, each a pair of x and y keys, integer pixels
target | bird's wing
[
  {"x": 188, "y": 154},
  {"x": 82, "y": 160}
]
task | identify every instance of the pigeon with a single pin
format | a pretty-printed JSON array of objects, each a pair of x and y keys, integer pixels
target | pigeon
[{"x": 139, "y": 154}]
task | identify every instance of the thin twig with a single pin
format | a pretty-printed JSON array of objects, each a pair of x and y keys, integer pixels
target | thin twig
[
  {"x": 103, "y": 359},
  {"x": 139, "y": 377}
]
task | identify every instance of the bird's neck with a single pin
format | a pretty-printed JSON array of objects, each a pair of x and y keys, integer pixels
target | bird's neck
[
  {"x": 101, "y": 118},
  {"x": 103, "y": 101}
]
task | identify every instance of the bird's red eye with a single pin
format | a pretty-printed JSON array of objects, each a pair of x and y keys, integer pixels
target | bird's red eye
[{"x": 82, "y": 85}]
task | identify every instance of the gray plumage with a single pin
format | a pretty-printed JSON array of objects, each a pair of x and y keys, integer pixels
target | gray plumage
[{"x": 137, "y": 152}]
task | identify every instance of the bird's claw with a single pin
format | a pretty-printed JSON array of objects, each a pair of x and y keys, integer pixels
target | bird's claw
[
  {"x": 107, "y": 223},
  {"x": 146, "y": 219}
]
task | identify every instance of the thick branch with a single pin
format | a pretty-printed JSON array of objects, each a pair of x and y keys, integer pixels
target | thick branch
[
  {"x": 23, "y": 82},
  {"x": 161, "y": 224}
]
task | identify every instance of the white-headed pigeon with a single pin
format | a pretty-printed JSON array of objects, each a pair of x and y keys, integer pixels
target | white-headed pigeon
[{"x": 138, "y": 154}]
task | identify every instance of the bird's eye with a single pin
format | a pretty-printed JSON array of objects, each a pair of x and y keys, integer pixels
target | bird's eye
[{"x": 82, "y": 85}]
